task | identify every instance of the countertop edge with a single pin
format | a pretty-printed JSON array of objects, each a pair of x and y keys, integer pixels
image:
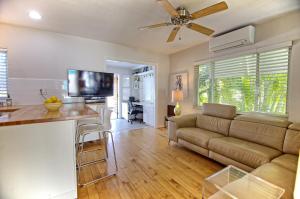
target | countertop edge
[{"x": 31, "y": 120}]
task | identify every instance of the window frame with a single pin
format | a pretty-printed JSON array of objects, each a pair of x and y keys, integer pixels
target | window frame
[
  {"x": 257, "y": 84},
  {"x": 6, "y": 72}
]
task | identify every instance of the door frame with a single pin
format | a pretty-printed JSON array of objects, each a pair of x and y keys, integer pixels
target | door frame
[
  {"x": 155, "y": 71},
  {"x": 117, "y": 86}
]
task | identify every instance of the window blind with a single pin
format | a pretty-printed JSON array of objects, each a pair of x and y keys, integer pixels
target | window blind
[
  {"x": 255, "y": 82},
  {"x": 196, "y": 86},
  {"x": 3, "y": 73},
  {"x": 273, "y": 75},
  {"x": 234, "y": 82}
]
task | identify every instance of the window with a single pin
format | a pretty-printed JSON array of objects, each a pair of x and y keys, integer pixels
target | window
[
  {"x": 205, "y": 83},
  {"x": 253, "y": 83},
  {"x": 3, "y": 73},
  {"x": 273, "y": 75}
]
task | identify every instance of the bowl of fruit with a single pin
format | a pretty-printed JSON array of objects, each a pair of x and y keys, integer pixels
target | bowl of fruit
[{"x": 53, "y": 103}]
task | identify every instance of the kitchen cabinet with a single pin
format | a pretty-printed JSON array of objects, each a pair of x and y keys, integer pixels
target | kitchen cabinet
[
  {"x": 38, "y": 157},
  {"x": 148, "y": 87}
]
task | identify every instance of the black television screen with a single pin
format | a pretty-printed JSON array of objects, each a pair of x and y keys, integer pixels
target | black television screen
[{"x": 90, "y": 84}]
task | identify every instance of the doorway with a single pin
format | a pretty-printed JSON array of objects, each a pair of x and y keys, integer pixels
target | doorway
[
  {"x": 137, "y": 87},
  {"x": 113, "y": 101}
]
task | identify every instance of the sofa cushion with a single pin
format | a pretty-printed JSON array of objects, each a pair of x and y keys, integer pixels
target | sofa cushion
[
  {"x": 264, "y": 134},
  {"x": 245, "y": 152},
  {"x": 214, "y": 124},
  {"x": 228, "y": 161},
  {"x": 292, "y": 142},
  {"x": 287, "y": 161},
  {"x": 279, "y": 176},
  {"x": 219, "y": 110},
  {"x": 193, "y": 147},
  {"x": 199, "y": 137},
  {"x": 264, "y": 119}
]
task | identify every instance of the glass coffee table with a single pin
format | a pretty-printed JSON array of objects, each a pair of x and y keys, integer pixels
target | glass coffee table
[{"x": 234, "y": 183}]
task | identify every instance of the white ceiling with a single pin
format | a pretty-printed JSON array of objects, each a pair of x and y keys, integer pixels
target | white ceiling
[{"x": 117, "y": 21}]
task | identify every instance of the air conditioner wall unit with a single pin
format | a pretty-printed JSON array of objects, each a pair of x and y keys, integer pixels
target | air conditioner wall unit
[{"x": 237, "y": 38}]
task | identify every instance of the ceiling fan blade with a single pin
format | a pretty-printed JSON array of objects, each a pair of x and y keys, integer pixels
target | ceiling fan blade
[
  {"x": 168, "y": 7},
  {"x": 210, "y": 10},
  {"x": 155, "y": 26},
  {"x": 173, "y": 34},
  {"x": 200, "y": 29}
]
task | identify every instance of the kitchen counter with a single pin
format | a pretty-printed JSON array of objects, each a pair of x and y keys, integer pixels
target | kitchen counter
[
  {"x": 18, "y": 115},
  {"x": 39, "y": 146}
]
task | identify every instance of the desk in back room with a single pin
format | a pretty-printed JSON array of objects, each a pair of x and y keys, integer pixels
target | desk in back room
[
  {"x": 137, "y": 103},
  {"x": 148, "y": 111},
  {"x": 125, "y": 108}
]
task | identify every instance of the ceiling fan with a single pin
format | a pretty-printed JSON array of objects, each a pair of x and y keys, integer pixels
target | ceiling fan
[{"x": 181, "y": 17}]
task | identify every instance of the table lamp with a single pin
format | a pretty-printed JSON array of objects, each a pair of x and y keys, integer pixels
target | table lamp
[
  {"x": 297, "y": 183},
  {"x": 177, "y": 96}
]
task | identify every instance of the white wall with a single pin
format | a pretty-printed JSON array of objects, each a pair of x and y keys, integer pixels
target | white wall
[
  {"x": 119, "y": 70},
  {"x": 26, "y": 90},
  {"x": 284, "y": 28},
  {"x": 35, "y": 56}
]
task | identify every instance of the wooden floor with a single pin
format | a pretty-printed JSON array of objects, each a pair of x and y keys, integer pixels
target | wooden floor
[{"x": 148, "y": 168}]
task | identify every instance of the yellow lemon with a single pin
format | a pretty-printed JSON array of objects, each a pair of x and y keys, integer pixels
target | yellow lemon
[
  {"x": 47, "y": 101},
  {"x": 54, "y": 99}
]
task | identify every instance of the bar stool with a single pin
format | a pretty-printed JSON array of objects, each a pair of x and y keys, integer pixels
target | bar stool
[
  {"x": 104, "y": 132},
  {"x": 84, "y": 122}
]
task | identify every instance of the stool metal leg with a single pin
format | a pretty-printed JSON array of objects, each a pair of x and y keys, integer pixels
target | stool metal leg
[
  {"x": 80, "y": 165},
  {"x": 114, "y": 151},
  {"x": 105, "y": 143},
  {"x": 90, "y": 162},
  {"x": 115, "y": 160},
  {"x": 77, "y": 137},
  {"x": 79, "y": 157}
]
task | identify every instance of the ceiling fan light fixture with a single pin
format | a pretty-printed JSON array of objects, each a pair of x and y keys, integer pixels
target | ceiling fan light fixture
[
  {"x": 181, "y": 17},
  {"x": 35, "y": 15}
]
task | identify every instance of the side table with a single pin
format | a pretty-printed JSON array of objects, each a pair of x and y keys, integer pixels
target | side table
[{"x": 234, "y": 183}]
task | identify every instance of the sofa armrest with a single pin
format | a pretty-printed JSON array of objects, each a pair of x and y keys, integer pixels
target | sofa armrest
[
  {"x": 184, "y": 120},
  {"x": 180, "y": 122}
]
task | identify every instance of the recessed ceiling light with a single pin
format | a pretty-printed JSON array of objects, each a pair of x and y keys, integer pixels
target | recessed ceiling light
[{"x": 35, "y": 15}]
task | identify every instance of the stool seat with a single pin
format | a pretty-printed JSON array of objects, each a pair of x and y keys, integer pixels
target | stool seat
[
  {"x": 88, "y": 121},
  {"x": 90, "y": 128}
]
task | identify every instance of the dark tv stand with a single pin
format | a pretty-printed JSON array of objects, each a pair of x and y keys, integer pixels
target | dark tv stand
[{"x": 90, "y": 100}]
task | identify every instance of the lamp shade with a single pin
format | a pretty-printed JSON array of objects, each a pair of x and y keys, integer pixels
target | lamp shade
[
  {"x": 177, "y": 95},
  {"x": 297, "y": 183}
]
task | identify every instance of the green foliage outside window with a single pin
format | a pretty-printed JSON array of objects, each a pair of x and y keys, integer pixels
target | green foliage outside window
[
  {"x": 273, "y": 93},
  {"x": 239, "y": 91},
  {"x": 204, "y": 85}
]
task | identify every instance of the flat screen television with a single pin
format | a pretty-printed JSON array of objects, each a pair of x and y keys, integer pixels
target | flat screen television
[{"x": 90, "y": 84}]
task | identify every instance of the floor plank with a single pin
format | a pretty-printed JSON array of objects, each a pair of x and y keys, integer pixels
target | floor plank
[{"x": 149, "y": 168}]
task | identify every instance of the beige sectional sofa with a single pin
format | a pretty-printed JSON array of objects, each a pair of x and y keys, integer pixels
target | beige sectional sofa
[{"x": 264, "y": 145}]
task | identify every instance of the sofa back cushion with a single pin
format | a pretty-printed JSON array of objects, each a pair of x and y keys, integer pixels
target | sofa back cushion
[
  {"x": 292, "y": 140},
  {"x": 219, "y": 110},
  {"x": 264, "y": 134},
  {"x": 215, "y": 124},
  {"x": 264, "y": 119}
]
